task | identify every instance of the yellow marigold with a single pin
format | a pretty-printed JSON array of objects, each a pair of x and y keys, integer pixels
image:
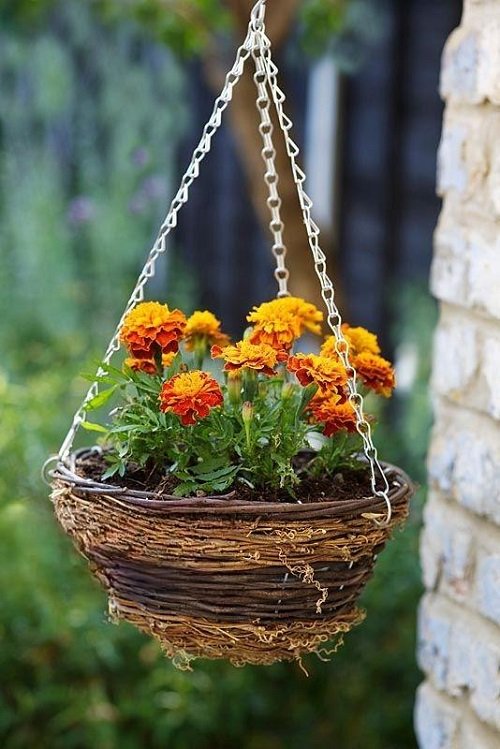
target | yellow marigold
[
  {"x": 274, "y": 326},
  {"x": 376, "y": 373},
  {"x": 205, "y": 326},
  {"x": 190, "y": 395},
  {"x": 333, "y": 414},
  {"x": 310, "y": 317},
  {"x": 281, "y": 321},
  {"x": 246, "y": 355},
  {"x": 141, "y": 365},
  {"x": 151, "y": 327},
  {"x": 359, "y": 339},
  {"x": 327, "y": 373}
]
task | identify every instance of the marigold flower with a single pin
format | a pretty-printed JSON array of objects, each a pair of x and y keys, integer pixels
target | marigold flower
[
  {"x": 275, "y": 325},
  {"x": 322, "y": 370},
  {"x": 359, "y": 339},
  {"x": 190, "y": 395},
  {"x": 333, "y": 414},
  {"x": 141, "y": 365},
  {"x": 149, "y": 365},
  {"x": 205, "y": 326},
  {"x": 151, "y": 327},
  {"x": 376, "y": 373},
  {"x": 310, "y": 317},
  {"x": 246, "y": 355}
]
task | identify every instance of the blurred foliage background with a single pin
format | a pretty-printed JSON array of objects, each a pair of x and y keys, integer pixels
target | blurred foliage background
[{"x": 81, "y": 192}]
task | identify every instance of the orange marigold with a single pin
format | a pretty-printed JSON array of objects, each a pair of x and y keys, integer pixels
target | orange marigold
[
  {"x": 324, "y": 371},
  {"x": 190, "y": 395},
  {"x": 149, "y": 365},
  {"x": 205, "y": 326},
  {"x": 151, "y": 327},
  {"x": 275, "y": 325},
  {"x": 141, "y": 365},
  {"x": 376, "y": 373},
  {"x": 246, "y": 355},
  {"x": 333, "y": 414},
  {"x": 359, "y": 339}
]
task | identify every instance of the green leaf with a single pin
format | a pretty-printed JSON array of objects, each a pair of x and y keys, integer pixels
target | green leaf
[
  {"x": 207, "y": 466},
  {"x": 214, "y": 475},
  {"x": 184, "y": 489},
  {"x": 100, "y": 399},
  {"x": 111, "y": 471}
]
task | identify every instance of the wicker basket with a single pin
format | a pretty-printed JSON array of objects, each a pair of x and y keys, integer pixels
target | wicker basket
[{"x": 218, "y": 577}]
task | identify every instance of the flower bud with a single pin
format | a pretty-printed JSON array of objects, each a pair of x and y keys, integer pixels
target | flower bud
[
  {"x": 287, "y": 391},
  {"x": 200, "y": 346},
  {"x": 234, "y": 389},
  {"x": 247, "y": 412}
]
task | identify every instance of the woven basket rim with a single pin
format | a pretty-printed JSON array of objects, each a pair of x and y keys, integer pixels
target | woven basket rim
[{"x": 65, "y": 472}]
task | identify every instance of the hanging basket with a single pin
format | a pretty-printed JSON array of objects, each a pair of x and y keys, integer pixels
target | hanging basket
[{"x": 223, "y": 576}]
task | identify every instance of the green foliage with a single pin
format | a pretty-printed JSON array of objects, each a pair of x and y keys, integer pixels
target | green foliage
[
  {"x": 188, "y": 28},
  {"x": 26, "y": 13},
  {"x": 256, "y": 442},
  {"x": 80, "y": 192},
  {"x": 321, "y": 20},
  {"x": 195, "y": 27}
]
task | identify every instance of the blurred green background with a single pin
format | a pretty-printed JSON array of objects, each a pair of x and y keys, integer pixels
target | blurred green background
[{"x": 75, "y": 218}]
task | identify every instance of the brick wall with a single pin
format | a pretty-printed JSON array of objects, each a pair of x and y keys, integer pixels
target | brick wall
[{"x": 458, "y": 705}]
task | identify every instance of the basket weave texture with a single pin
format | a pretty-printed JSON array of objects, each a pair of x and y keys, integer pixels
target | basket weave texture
[{"x": 218, "y": 577}]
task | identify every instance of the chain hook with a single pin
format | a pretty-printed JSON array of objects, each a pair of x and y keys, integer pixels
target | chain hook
[{"x": 257, "y": 15}]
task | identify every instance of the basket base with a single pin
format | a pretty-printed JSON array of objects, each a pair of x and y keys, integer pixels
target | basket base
[{"x": 183, "y": 639}]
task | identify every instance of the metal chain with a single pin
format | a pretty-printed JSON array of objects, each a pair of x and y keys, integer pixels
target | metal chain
[
  {"x": 334, "y": 319},
  {"x": 256, "y": 39},
  {"x": 168, "y": 224},
  {"x": 271, "y": 178}
]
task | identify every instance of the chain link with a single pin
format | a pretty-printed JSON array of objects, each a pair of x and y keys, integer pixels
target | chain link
[
  {"x": 271, "y": 178},
  {"x": 334, "y": 319},
  {"x": 258, "y": 45},
  {"x": 168, "y": 224}
]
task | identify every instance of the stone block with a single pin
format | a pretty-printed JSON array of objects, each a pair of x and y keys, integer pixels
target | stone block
[
  {"x": 452, "y": 171},
  {"x": 469, "y": 160},
  {"x": 437, "y": 720},
  {"x": 487, "y": 581},
  {"x": 447, "y": 549},
  {"x": 466, "y": 361},
  {"x": 483, "y": 270},
  {"x": 485, "y": 675},
  {"x": 434, "y": 633},
  {"x": 466, "y": 264},
  {"x": 464, "y": 460},
  {"x": 460, "y": 66},
  {"x": 471, "y": 61},
  {"x": 461, "y": 655}
]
